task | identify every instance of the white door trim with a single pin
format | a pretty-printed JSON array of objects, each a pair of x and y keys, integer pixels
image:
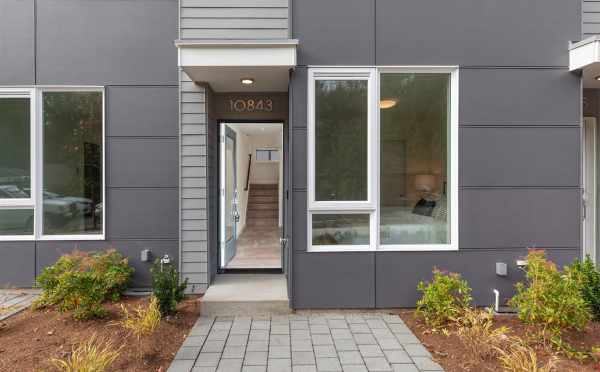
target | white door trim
[{"x": 589, "y": 188}]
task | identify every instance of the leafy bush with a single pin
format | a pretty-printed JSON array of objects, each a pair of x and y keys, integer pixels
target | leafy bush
[
  {"x": 91, "y": 356},
  {"x": 166, "y": 286},
  {"x": 475, "y": 330},
  {"x": 551, "y": 299},
  {"x": 444, "y": 299},
  {"x": 589, "y": 279},
  {"x": 81, "y": 282}
]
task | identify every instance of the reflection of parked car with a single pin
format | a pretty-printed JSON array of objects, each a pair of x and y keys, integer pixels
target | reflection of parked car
[
  {"x": 76, "y": 205},
  {"x": 12, "y": 192},
  {"x": 16, "y": 221}
]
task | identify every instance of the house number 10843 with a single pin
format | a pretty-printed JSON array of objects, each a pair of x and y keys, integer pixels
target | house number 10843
[{"x": 251, "y": 105}]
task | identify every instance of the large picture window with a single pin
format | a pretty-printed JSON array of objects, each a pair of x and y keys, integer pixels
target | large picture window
[
  {"x": 393, "y": 131},
  {"x": 51, "y": 164}
]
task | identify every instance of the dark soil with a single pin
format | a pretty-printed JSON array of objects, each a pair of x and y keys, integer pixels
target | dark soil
[
  {"x": 454, "y": 356},
  {"x": 30, "y": 339}
]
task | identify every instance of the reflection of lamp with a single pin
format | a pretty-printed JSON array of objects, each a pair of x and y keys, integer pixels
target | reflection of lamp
[
  {"x": 387, "y": 103},
  {"x": 425, "y": 182}
]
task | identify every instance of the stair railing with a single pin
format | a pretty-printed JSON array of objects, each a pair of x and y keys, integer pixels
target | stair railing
[{"x": 248, "y": 175}]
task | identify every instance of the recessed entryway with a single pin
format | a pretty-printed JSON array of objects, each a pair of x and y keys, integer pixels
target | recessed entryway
[{"x": 251, "y": 214}]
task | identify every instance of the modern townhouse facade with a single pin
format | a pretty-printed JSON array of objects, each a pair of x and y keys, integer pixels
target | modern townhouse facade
[{"x": 348, "y": 146}]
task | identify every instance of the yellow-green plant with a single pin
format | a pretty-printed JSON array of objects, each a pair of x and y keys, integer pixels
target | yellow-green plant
[
  {"x": 551, "y": 298},
  {"x": 93, "y": 355},
  {"x": 142, "y": 321},
  {"x": 444, "y": 299},
  {"x": 476, "y": 331},
  {"x": 520, "y": 357}
]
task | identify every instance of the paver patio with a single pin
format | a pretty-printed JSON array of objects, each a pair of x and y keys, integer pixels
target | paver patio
[{"x": 327, "y": 342}]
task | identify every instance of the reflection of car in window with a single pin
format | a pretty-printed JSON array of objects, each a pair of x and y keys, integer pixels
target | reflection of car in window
[{"x": 12, "y": 192}]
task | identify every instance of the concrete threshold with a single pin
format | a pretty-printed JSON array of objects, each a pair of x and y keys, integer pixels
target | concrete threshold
[{"x": 246, "y": 295}]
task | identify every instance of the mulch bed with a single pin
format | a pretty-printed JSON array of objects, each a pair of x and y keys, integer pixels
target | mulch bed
[
  {"x": 454, "y": 356},
  {"x": 30, "y": 339}
]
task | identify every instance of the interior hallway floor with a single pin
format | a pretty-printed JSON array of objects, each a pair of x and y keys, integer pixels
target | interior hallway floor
[{"x": 257, "y": 248}]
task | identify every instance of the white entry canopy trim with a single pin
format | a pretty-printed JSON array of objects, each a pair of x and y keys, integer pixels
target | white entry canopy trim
[
  {"x": 584, "y": 53},
  {"x": 223, "y": 63},
  {"x": 213, "y": 53}
]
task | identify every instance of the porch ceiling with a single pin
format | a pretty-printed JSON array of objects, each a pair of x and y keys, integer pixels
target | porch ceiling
[
  {"x": 585, "y": 56},
  {"x": 222, "y": 64}
]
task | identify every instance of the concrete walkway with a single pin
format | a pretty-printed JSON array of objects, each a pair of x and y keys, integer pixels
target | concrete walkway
[
  {"x": 13, "y": 301},
  {"x": 328, "y": 342}
]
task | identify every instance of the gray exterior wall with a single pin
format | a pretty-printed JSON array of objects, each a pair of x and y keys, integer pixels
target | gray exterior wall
[
  {"x": 519, "y": 149},
  {"x": 127, "y": 46},
  {"x": 234, "y": 19}
]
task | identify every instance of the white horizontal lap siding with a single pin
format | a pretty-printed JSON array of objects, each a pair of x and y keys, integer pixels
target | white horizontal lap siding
[
  {"x": 591, "y": 18},
  {"x": 193, "y": 191},
  {"x": 234, "y": 19}
]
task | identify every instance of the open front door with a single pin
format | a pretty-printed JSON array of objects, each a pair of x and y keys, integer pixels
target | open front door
[
  {"x": 228, "y": 196},
  {"x": 589, "y": 188}
]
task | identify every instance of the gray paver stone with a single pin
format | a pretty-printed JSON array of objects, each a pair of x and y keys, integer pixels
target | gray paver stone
[
  {"x": 417, "y": 350},
  {"x": 389, "y": 344},
  {"x": 319, "y": 329},
  {"x": 280, "y": 340},
  {"x": 302, "y": 344},
  {"x": 208, "y": 359},
  {"x": 377, "y": 364},
  {"x": 300, "y": 334},
  {"x": 345, "y": 345},
  {"x": 365, "y": 339},
  {"x": 194, "y": 341},
  {"x": 328, "y": 365},
  {"x": 279, "y": 365},
  {"x": 427, "y": 364},
  {"x": 255, "y": 358},
  {"x": 322, "y": 340},
  {"x": 303, "y": 358},
  {"x": 325, "y": 351},
  {"x": 278, "y": 352},
  {"x": 360, "y": 328},
  {"x": 234, "y": 352},
  {"x": 408, "y": 338},
  {"x": 213, "y": 346},
  {"x": 350, "y": 357},
  {"x": 341, "y": 333},
  {"x": 181, "y": 366},
  {"x": 370, "y": 351},
  {"x": 312, "y": 368},
  {"x": 186, "y": 353},
  {"x": 204, "y": 369},
  {"x": 354, "y": 368},
  {"x": 254, "y": 368},
  {"x": 230, "y": 365},
  {"x": 405, "y": 368},
  {"x": 397, "y": 356},
  {"x": 258, "y": 345}
]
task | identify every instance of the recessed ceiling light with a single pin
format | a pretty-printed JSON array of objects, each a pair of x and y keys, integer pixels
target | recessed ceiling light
[
  {"x": 387, "y": 103},
  {"x": 247, "y": 81},
  {"x": 597, "y": 78}
]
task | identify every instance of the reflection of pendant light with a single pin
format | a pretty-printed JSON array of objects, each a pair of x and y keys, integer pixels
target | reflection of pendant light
[{"x": 387, "y": 103}]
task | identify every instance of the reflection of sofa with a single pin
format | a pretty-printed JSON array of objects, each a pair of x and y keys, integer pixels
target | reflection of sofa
[{"x": 400, "y": 225}]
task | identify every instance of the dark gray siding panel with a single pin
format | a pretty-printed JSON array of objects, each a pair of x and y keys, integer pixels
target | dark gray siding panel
[
  {"x": 123, "y": 42},
  {"x": 48, "y": 252},
  {"x": 141, "y": 111},
  {"x": 334, "y": 280},
  {"x": 335, "y": 31},
  {"x": 536, "y": 156},
  {"x": 398, "y": 273},
  {"x": 475, "y": 32},
  {"x": 17, "y": 264},
  {"x": 142, "y": 213},
  {"x": 142, "y": 162},
  {"x": 299, "y": 158},
  {"x": 497, "y": 218},
  {"x": 299, "y": 222},
  {"x": 519, "y": 97},
  {"x": 16, "y": 42},
  {"x": 298, "y": 85}
]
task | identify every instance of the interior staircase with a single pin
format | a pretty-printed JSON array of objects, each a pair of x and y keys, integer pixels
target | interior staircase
[{"x": 263, "y": 208}]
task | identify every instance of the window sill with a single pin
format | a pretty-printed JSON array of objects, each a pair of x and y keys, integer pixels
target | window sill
[{"x": 385, "y": 248}]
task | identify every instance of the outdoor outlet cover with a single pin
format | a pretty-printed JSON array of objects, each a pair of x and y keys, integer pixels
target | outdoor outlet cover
[
  {"x": 145, "y": 255},
  {"x": 501, "y": 269}
]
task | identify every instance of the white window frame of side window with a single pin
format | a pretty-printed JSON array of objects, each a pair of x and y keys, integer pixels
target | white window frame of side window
[
  {"x": 453, "y": 143},
  {"x": 29, "y": 203},
  {"x": 367, "y": 74},
  {"x": 342, "y": 247},
  {"x": 343, "y": 207},
  {"x": 40, "y": 139},
  {"x": 270, "y": 149}
]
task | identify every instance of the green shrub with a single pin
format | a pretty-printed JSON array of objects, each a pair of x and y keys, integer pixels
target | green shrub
[
  {"x": 551, "y": 299},
  {"x": 81, "y": 282},
  {"x": 166, "y": 286},
  {"x": 444, "y": 298},
  {"x": 589, "y": 279}
]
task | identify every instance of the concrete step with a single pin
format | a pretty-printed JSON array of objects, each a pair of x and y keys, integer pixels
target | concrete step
[{"x": 246, "y": 295}]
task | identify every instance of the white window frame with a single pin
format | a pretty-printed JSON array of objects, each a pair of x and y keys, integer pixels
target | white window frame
[
  {"x": 270, "y": 149},
  {"x": 372, "y": 207},
  {"x": 36, "y": 201}
]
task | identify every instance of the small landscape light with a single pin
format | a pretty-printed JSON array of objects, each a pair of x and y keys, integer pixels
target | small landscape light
[{"x": 247, "y": 81}]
